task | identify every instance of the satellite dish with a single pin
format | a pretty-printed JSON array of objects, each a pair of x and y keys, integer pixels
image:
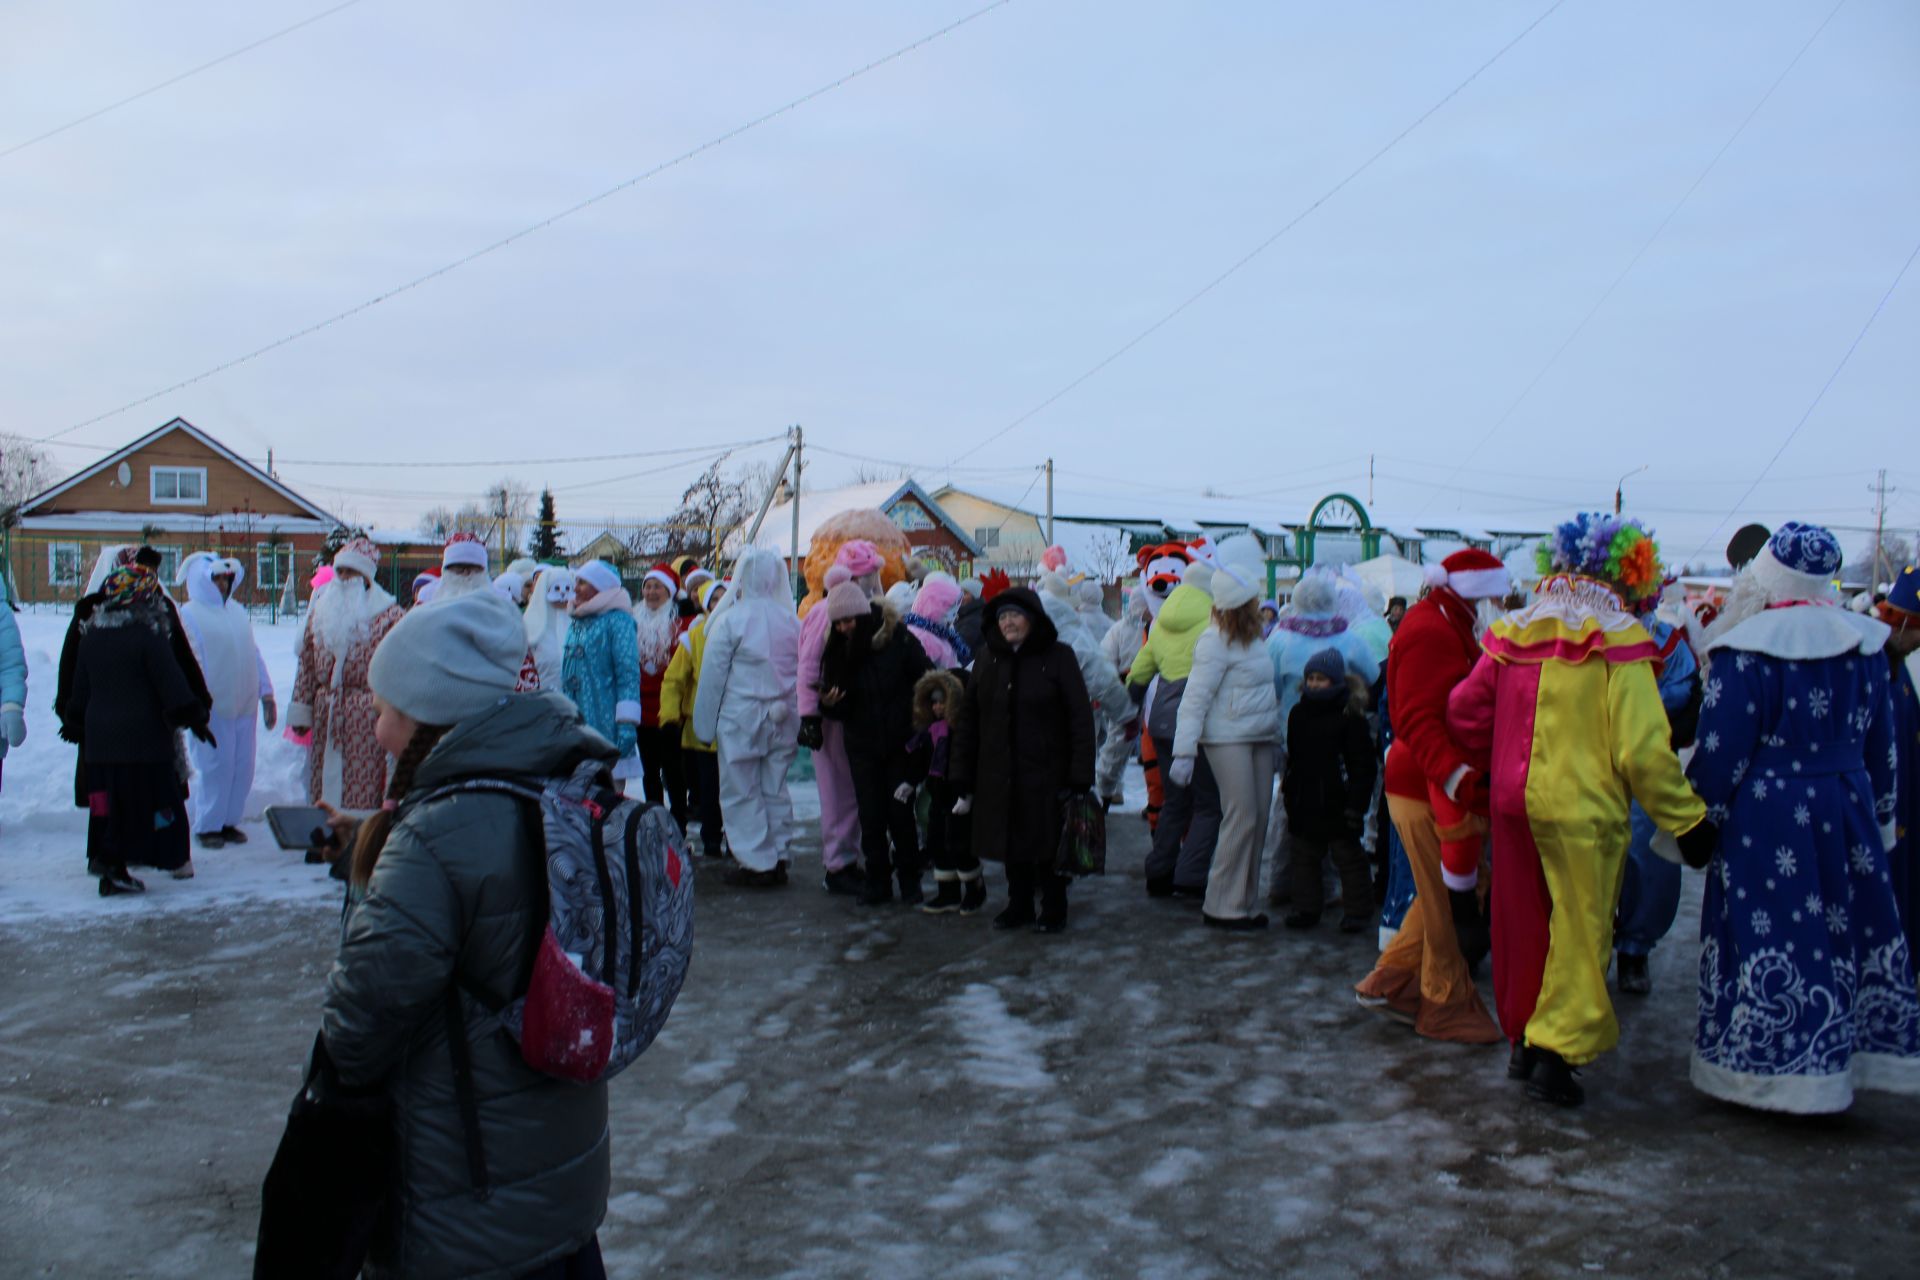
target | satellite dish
[{"x": 124, "y": 475}]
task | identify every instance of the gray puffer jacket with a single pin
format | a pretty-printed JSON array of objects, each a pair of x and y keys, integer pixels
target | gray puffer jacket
[{"x": 455, "y": 894}]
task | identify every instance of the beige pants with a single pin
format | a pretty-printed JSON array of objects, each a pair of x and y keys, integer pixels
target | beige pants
[{"x": 1244, "y": 773}]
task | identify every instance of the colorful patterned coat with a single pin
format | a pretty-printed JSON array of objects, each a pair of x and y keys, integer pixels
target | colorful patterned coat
[
  {"x": 345, "y": 766},
  {"x": 1563, "y": 711},
  {"x": 600, "y": 672},
  {"x": 1806, "y": 982}
]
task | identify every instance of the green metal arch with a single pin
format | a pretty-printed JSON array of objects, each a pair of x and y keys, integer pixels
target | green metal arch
[{"x": 1366, "y": 521}]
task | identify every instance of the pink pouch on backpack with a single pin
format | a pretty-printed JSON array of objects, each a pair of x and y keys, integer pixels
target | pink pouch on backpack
[{"x": 566, "y": 1024}]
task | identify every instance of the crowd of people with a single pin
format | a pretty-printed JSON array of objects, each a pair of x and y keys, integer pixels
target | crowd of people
[{"x": 1496, "y": 768}]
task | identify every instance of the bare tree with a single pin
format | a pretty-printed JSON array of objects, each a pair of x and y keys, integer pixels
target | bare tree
[
  {"x": 880, "y": 472},
  {"x": 1106, "y": 556},
  {"x": 24, "y": 471},
  {"x": 441, "y": 523}
]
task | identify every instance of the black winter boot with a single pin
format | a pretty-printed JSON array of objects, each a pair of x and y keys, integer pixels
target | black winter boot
[
  {"x": 911, "y": 894},
  {"x": 973, "y": 892},
  {"x": 1630, "y": 974},
  {"x": 1553, "y": 1080},
  {"x": 946, "y": 894},
  {"x": 1053, "y": 906}
]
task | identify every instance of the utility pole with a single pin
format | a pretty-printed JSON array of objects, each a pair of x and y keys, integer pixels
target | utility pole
[
  {"x": 500, "y": 514},
  {"x": 1369, "y": 496},
  {"x": 1620, "y": 485},
  {"x": 1049, "y": 501},
  {"x": 1879, "y": 530},
  {"x": 799, "y": 575}
]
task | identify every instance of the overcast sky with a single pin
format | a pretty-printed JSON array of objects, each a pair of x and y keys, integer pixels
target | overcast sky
[{"x": 911, "y": 262}]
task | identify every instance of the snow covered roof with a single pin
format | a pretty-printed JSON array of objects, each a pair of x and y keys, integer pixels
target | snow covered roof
[
  {"x": 818, "y": 506},
  {"x": 182, "y": 426}
]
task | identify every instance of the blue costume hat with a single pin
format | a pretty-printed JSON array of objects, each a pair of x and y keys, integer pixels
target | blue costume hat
[
  {"x": 1807, "y": 548},
  {"x": 1905, "y": 595}
]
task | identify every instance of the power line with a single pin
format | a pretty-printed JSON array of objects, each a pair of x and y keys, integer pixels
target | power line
[
  {"x": 1264, "y": 245},
  {"x": 1645, "y": 245},
  {"x": 544, "y": 223},
  {"x": 228, "y": 56},
  {"x": 1815, "y": 404},
  {"x": 441, "y": 463}
]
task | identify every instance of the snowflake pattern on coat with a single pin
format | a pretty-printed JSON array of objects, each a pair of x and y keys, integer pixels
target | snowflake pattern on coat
[
  {"x": 1804, "y": 967},
  {"x": 599, "y": 670}
]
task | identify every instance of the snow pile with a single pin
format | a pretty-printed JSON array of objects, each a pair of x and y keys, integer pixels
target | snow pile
[{"x": 43, "y": 837}]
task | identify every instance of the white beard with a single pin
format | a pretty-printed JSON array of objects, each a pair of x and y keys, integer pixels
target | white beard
[
  {"x": 1485, "y": 614},
  {"x": 455, "y": 585},
  {"x": 1745, "y": 599},
  {"x": 343, "y": 614},
  {"x": 655, "y": 628}
]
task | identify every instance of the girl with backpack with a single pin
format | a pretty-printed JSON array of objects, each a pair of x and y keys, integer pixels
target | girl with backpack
[{"x": 449, "y": 903}]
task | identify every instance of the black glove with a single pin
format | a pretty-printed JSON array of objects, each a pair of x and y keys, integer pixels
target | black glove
[
  {"x": 1470, "y": 925},
  {"x": 812, "y": 735},
  {"x": 1697, "y": 845},
  {"x": 205, "y": 735}
]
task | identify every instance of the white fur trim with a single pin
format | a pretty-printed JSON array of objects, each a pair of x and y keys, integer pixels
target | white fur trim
[
  {"x": 1801, "y": 633},
  {"x": 1782, "y": 583},
  {"x": 664, "y": 578},
  {"x": 357, "y": 563},
  {"x": 299, "y": 716},
  {"x": 1808, "y": 1095},
  {"x": 1435, "y": 574},
  {"x": 1666, "y": 846},
  {"x": 1480, "y": 584},
  {"x": 1889, "y": 836},
  {"x": 1460, "y": 882},
  {"x": 599, "y": 575},
  {"x": 464, "y": 552},
  {"x": 627, "y": 711}
]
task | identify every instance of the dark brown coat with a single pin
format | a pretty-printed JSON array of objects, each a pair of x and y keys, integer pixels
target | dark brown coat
[{"x": 1024, "y": 737}]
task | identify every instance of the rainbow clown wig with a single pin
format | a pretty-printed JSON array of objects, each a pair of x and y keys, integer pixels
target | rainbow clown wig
[{"x": 1617, "y": 551}]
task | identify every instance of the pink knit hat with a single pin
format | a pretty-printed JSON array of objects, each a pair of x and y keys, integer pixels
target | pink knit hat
[
  {"x": 937, "y": 599},
  {"x": 847, "y": 601},
  {"x": 860, "y": 556}
]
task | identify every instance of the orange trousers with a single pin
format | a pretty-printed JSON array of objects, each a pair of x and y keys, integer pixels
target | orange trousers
[{"x": 1421, "y": 973}]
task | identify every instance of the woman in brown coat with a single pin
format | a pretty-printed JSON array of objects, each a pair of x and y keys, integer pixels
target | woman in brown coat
[{"x": 1023, "y": 742}]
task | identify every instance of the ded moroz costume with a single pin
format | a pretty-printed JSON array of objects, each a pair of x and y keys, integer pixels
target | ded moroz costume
[{"x": 1806, "y": 980}]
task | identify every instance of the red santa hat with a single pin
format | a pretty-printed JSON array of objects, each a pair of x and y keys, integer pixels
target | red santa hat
[
  {"x": 666, "y": 577},
  {"x": 464, "y": 550},
  {"x": 1472, "y": 574}
]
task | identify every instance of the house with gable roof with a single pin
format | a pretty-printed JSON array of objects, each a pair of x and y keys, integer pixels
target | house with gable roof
[{"x": 178, "y": 490}]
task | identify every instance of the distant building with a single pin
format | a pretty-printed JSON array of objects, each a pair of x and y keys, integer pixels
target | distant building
[
  {"x": 179, "y": 490},
  {"x": 939, "y": 540}
]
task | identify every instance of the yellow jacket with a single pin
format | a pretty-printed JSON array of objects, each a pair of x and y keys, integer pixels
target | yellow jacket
[
  {"x": 1168, "y": 652},
  {"x": 682, "y": 684}
]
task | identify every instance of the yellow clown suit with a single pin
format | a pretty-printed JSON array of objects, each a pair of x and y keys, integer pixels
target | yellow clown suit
[{"x": 1563, "y": 711}]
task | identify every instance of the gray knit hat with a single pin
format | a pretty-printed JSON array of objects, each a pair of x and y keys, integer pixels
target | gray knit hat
[{"x": 451, "y": 661}]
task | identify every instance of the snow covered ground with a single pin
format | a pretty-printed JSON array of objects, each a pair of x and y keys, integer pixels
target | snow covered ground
[{"x": 43, "y": 838}]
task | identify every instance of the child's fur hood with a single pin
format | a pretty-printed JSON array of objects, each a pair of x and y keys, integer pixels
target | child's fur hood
[{"x": 943, "y": 682}]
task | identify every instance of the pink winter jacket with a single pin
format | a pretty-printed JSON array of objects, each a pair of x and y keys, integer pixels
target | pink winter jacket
[{"x": 813, "y": 645}]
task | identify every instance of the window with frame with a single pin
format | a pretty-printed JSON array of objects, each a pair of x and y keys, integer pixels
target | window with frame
[
  {"x": 66, "y": 564},
  {"x": 169, "y": 569},
  {"x": 987, "y": 535},
  {"x": 178, "y": 486},
  {"x": 272, "y": 565}
]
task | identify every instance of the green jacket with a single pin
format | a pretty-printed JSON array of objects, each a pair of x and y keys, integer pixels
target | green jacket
[
  {"x": 457, "y": 892},
  {"x": 1168, "y": 652}
]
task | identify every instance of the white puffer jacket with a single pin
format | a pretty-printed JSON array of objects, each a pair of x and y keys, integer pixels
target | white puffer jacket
[{"x": 1229, "y": 696}]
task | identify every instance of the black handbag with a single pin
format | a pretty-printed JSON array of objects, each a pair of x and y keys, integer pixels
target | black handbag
[{"x": 331, "y": 1181}]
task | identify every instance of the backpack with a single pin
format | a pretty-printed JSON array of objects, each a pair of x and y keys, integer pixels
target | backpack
[{"x": 611, "y": 960}]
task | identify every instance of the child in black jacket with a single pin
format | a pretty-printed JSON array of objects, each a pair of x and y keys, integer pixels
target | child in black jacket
[
  {"x": 1327, "y": 787},
  {"x": 958, "y": 884},
  {"x": 867, "y": 674}
]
